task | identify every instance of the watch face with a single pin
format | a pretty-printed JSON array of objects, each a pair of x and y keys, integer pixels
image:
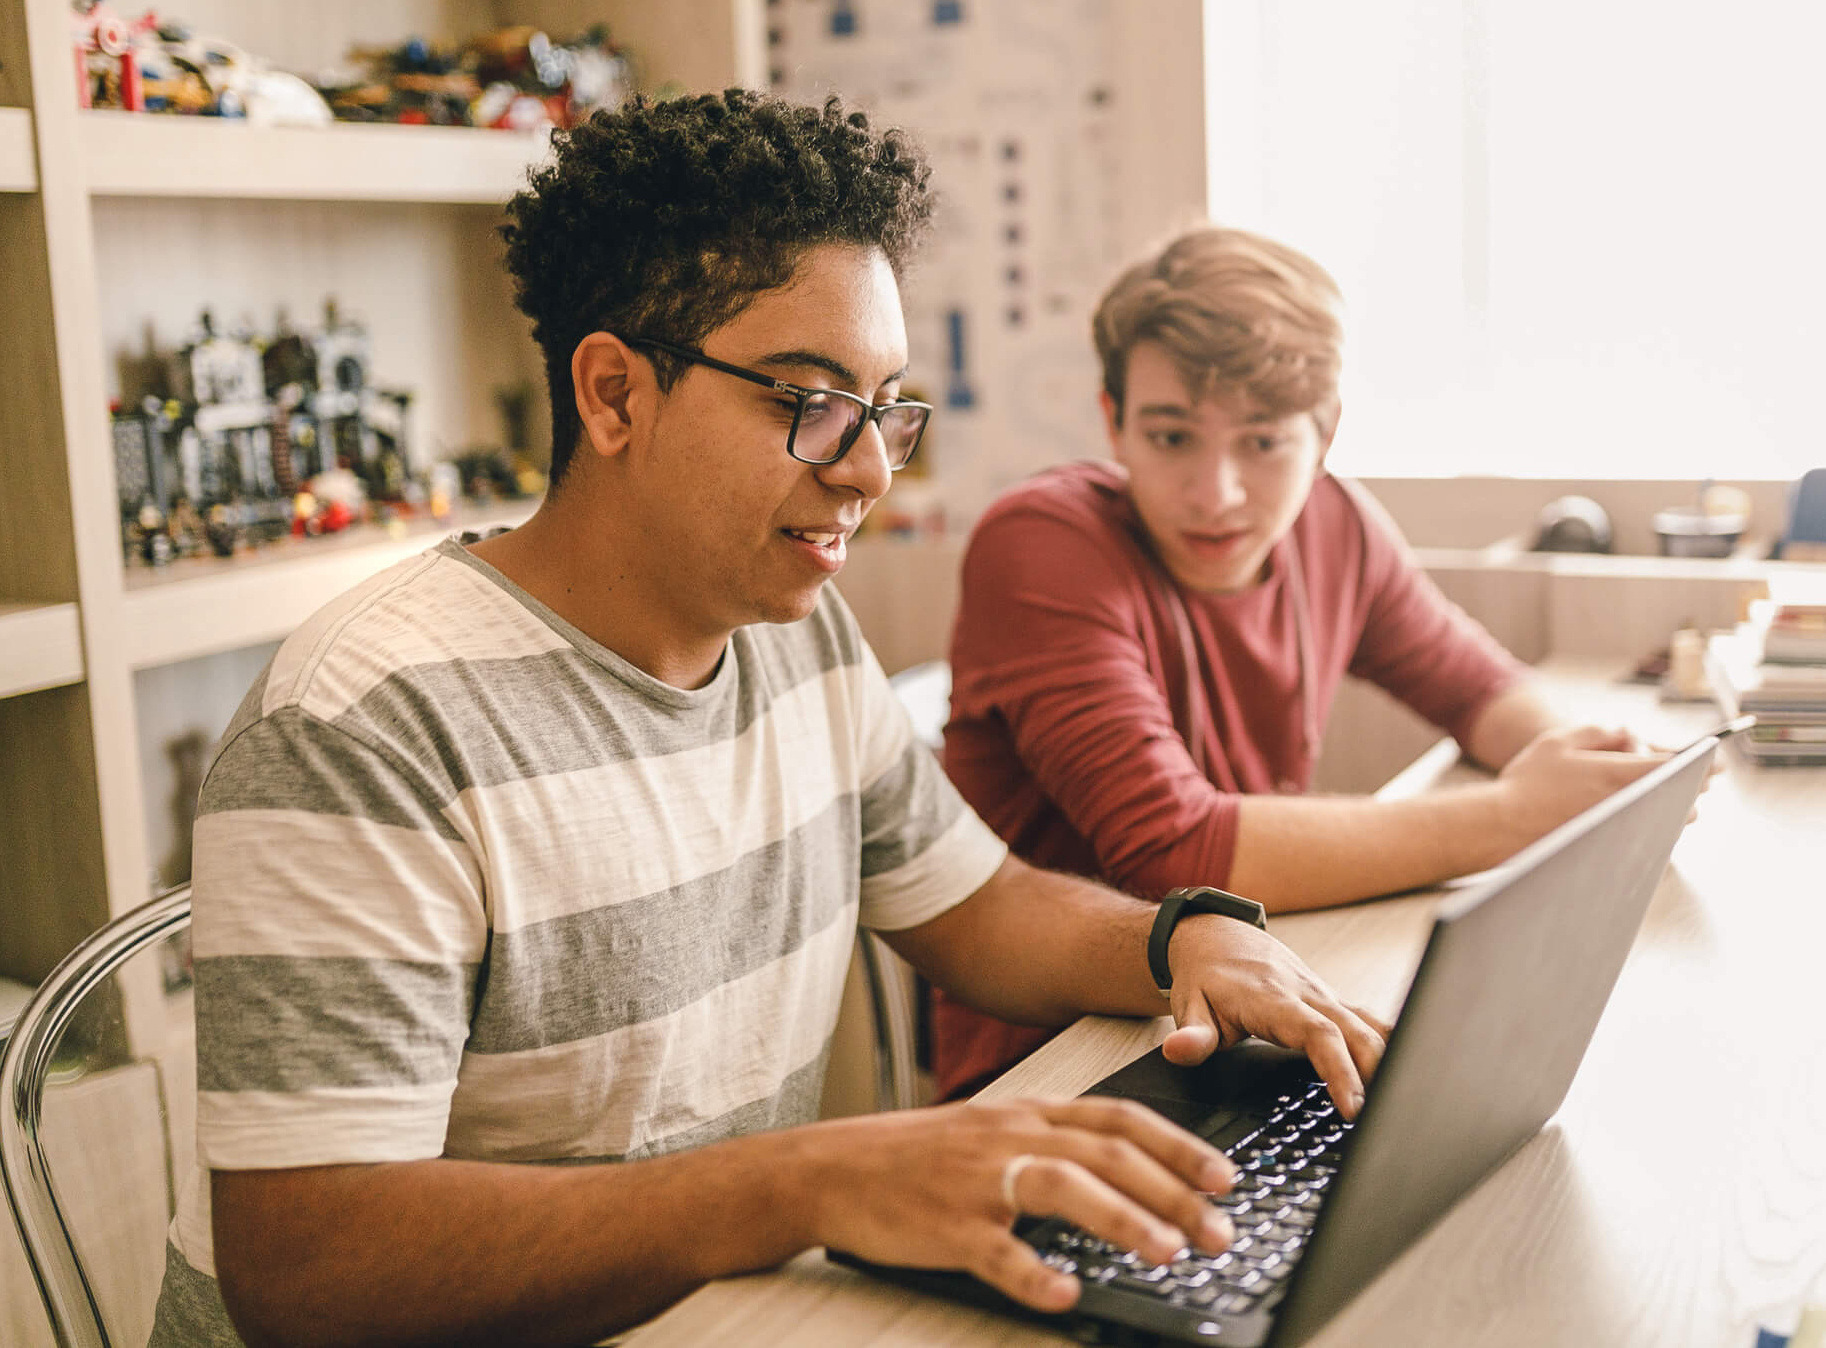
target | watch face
[{"x": 1208, "y": 900}]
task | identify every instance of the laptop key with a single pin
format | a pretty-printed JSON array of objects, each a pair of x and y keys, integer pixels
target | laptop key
[{"x": 1134, "y": 1284}]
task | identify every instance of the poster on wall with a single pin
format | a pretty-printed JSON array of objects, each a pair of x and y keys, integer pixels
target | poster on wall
[{"x": 1012, "y": 100}]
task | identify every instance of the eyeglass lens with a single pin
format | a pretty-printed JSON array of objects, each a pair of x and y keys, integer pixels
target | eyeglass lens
[{"x": 829, "y": 425}]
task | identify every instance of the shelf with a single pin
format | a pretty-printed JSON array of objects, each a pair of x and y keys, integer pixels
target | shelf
[
  {"x": 203, "y": 606},
  {"x": 151, "y": 155},
  {"x": 18, "y": 163},
  {"x": 40, "y": 647}
]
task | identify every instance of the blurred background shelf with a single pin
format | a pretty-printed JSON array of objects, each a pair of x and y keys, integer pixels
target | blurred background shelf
[
  {"x": 146, "y": 155},
  {"x": 40, "y": 647},
  {"x": 117, "y": 232},
  {"x": 18, "y": 162},
  {"x": 202, "y": 606}
]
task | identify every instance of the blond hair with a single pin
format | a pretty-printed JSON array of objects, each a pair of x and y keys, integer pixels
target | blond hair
[{"x": 1236, "y": 313}]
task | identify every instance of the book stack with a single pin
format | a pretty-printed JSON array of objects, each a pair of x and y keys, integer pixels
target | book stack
[{"x": 1774, "y": 667}]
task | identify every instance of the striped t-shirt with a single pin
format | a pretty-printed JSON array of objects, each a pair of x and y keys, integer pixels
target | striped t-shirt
[{"x": 469, "y": 884}]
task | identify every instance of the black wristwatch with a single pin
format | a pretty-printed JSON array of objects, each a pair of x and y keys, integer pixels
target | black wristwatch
[{"x": 1177, "y": 903}]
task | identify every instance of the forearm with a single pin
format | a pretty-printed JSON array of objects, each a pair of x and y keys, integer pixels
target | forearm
[
  {"x": 1507, "y": 723},
  {"x": 1295, "y": 852},
  {"x": 447, "y": 1251},
  {"x": 1037, "y": 947}
]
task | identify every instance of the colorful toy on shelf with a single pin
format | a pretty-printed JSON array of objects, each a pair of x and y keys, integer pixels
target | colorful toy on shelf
[
  {"x": 235, "y": 483},
  {"x": 412, "y": 83},
  {"x": 335, "y": 416},
  {"x": 504, "y": 473},
  {"x": 107, "y": 63},
  {"x": 515, "y": 79},
  {"x": 249, "y": 431},
  {"x": 151, "y": 66},
  {"x": 329, "y": 503}
]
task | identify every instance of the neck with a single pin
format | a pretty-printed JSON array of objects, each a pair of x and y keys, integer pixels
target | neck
[{"x": 600, "y": 581}]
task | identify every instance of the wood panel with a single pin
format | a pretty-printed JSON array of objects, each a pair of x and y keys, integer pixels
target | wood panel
[
  {"x": 37, "y": 560},
  {"x": 52, "y": 889},
  {"x": 69, "y": 390}
]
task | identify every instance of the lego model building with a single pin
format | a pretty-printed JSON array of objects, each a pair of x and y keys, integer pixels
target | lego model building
[
  {"x": 259, "y": 439},
  {"x": 222, "y": 383},
  {"x": 336, "y": 417}
]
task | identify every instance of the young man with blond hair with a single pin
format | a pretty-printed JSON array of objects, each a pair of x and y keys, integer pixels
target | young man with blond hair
[{"x": 1146, "y": 651}]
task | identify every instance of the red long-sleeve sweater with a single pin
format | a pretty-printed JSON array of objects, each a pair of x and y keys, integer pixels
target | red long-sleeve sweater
[{"x": 1096, "y": 739}]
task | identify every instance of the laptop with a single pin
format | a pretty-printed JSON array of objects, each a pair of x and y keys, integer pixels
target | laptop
[{"x": 1509, "y": 989}]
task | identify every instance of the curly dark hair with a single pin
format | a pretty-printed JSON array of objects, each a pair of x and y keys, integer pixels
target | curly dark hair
[{"x": 665, "y": 219}]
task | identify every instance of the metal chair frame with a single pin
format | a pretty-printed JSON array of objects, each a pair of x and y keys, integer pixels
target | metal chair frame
[{"x": 50, "y": 1249}]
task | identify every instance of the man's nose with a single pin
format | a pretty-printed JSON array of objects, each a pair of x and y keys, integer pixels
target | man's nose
[
  {"x": 1219, "y": 485},
  {"x": 864, "y": 469}
]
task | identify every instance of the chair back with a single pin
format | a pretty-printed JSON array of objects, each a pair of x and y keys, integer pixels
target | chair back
[
  {"x": 97, "y": 1122},
  {"x": 925, "y": 691}
]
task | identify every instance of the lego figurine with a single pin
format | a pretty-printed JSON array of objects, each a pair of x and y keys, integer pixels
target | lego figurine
[{"x": 108, "y": 73}]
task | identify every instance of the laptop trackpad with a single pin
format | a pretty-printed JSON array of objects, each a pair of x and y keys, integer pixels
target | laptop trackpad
[{"x": 1221, "y": 1099}]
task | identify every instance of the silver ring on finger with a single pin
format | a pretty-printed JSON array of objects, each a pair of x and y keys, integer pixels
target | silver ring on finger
[{"x": 1012, "y": 1172}]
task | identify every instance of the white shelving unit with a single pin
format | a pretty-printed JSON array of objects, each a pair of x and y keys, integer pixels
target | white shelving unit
[
  {"x": 115, "y": 230},
  {"x": 40, "y": 647},
  {"x": 132, "y": 155},
  {"x": 18, "y": 162},
  {"x": 203, "y": 606}
]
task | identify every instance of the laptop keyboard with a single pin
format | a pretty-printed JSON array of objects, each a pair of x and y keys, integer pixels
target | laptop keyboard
[{"x": 1283, "y": 1169}]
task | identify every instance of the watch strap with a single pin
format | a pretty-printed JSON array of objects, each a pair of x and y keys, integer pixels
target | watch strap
[{"x": 1179, "y": 903}]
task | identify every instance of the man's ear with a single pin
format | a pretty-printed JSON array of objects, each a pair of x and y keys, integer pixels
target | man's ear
[
  {"x": 608, "y": 381},
  {"x": 1112, "y": 422},
  {"x": 1325, "y": 417}
]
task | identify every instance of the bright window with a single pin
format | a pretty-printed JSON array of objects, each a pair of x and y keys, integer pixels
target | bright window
[{"x": 1575, "y": 239}]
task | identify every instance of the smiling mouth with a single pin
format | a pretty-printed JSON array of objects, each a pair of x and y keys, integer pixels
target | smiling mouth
[{"x": 817, "y": 538}]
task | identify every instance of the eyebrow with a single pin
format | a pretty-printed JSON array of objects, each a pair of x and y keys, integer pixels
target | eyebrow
[
  {"x": 1184, "y": 413},
  {"x": 817, "y": 360}
]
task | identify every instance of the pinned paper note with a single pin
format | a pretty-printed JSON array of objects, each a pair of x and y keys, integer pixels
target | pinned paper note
[{"x": 1811, "y": 1332}]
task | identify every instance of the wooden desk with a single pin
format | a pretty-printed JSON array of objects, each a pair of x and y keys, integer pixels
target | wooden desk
[{"x": 1677, "y": 1200}]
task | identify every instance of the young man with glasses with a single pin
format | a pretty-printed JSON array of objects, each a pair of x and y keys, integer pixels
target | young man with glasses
[
  {"x": 1145, "y": 652},
  {"x": 551, "y": 847}
]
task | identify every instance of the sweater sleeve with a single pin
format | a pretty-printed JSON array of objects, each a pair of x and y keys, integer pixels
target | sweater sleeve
[
  {"x": 1416, "y": 643},
  {"x": 1055, "y": 641}
]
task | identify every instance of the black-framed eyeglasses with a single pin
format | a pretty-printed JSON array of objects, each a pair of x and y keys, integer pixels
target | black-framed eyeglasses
[{"x": 827, "y": 422}]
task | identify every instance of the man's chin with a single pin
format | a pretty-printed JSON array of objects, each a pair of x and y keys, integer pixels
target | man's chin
[{"x": 790, "y": 607}]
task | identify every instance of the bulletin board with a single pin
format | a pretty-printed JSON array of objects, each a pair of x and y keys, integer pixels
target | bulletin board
[{"x": 1012, "y": 101}]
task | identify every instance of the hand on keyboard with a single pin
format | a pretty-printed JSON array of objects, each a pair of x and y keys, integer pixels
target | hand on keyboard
[
  {"x": 1231, "y": 981},
  {"x": 941, "y": 1188}
]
